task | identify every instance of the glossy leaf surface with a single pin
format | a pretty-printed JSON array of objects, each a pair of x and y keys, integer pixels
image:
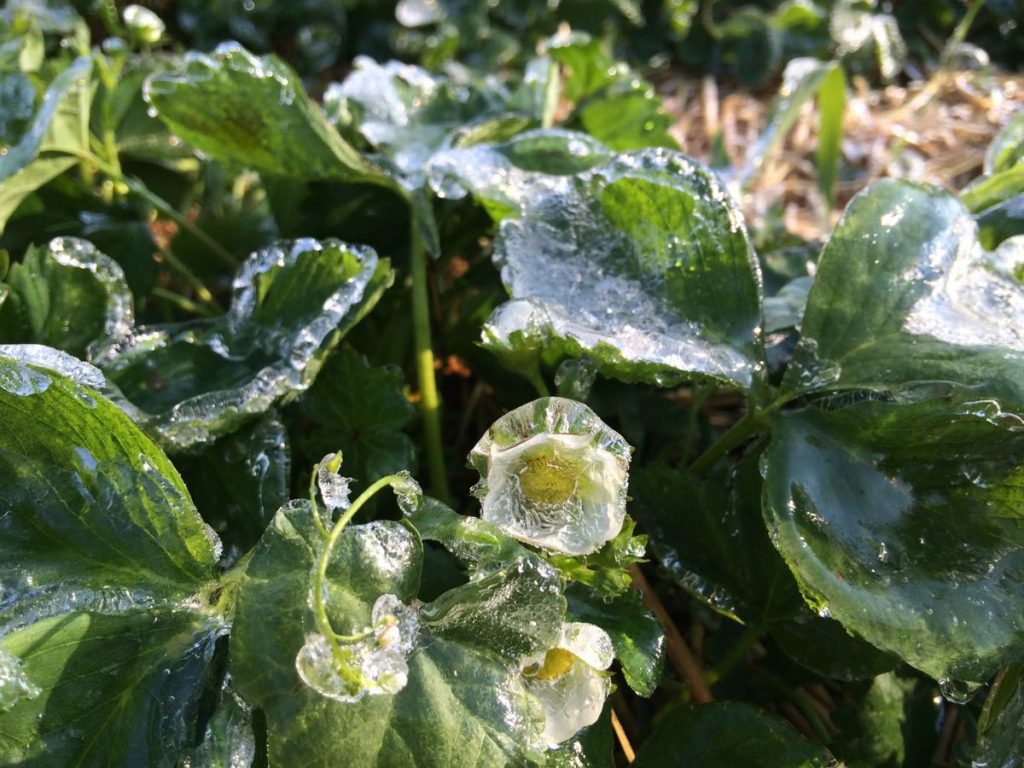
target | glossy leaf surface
[
  {"x": 102, "y": 555},
  {"x": 905, "y": 294},
  {"x": 253, "y": 111},
  {"x": 902, "y": 520}
]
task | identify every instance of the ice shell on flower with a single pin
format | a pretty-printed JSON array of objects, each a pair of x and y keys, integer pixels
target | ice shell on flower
[
  {"x": 553, "y": 475},
  {"x": 372, "y": 666},
  {"x": 569, "y": 682}
]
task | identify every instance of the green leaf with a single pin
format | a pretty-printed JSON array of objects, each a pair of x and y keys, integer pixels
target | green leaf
[
  {"x": 254, "y": 112},
  {"x": 635, "y": 632},
  {"x": 641, "y": 264},
  {"x": 987, "y": 191},
  {"x": 240, "y": 481},
  {"x": 360, "y": 410},
  {"x": 1001, "y": 222},
  {"x": 1001, "y": 725},
  {"x": 902, "y": 521},
  {"x": 1007, "y": 148},
  {"x": 69, "y": 296},
  {"x": 725, "y": 735},
  {"x": 102, "y": 555},
  {"x": 291, "y": 303},
  {"x": 711, "y": 537},
  {"x": 904, "y": 293},
  {"x": 24, "y": 182},
  {"x": 889, "y": 725},
  {"x": 613, "y": 104},
  {"x": 60, "y": 125},
  {"x": 464, "y": 703}
]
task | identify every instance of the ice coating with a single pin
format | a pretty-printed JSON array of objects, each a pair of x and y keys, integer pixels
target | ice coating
[
  {"x": 655, "y": 301},
  {"x": 553, "y": 475},
  {"x": 334, "y": 489},
  {"x": 505, "y": 175},
  {"x": 15, "y": 686},
  {"x": 119, "y": 314},
  {"x": 25, "y": 380},
  {"x": 569, "y": 680},
  {"x": 408, "y": 492},
  {"x": 372, "y": 665},
  {"x": 904, "y": 292}
]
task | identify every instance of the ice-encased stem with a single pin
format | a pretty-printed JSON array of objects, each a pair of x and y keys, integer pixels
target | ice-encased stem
[
  {"x": 430, "y": 406},
  {"x": 323, "y": 622}
]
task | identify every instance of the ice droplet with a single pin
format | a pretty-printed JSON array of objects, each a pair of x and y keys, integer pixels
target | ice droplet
[
  {"x": 959, "y": 691},
  {"x": 408, "y": 492}
]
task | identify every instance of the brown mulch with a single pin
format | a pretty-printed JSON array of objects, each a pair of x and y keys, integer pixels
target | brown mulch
[{"x": 934, "y": 131}]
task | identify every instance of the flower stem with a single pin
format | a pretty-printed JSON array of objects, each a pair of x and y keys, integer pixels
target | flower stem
[
  {"x": 430, "y": 405},
  {"x": 323, "y": 622},
  {"x": 737, "y": 434}
]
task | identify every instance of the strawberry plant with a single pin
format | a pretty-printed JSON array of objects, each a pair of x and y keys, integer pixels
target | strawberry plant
[{"x": 375, "y": 428}]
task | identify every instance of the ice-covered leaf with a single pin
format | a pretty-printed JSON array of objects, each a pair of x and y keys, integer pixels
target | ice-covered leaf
[
  {"x": 407, "y": 113},
  {"x": 253, "y": 111},
  {"x": 904, "y": 293},
  {"x": 554, "y": 475},
  {"x": 641, "y": 264},
  {"x": 504, "y": 175},
  {"x": 725, "y": 735},
  {"x": 464, "y": 703},
  {"x": 229, "y": 740},
  {"x": 69, "y": 296},
  {"x": 362, "y": 411},
  {"x": 902, "y": 521},
  {"x": 786, "y": 308},
  {"x": 1001, "y": 222},
  {"x": 102, "y": 555},
  {"x": 291, "y": 302}
]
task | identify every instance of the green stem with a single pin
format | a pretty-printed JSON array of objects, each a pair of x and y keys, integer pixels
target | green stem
[
  {"x": 960, "y": 32},
  {"x": 735, "y": 655},
  {"x": 701, "y": 394},
  {"x": 752, "y": 423},
  {"x": 161, "y": 205},
  {"x": 323, "y": 622},
  {"x": 737, "y": 434},
  {"x": 183, "y": 303},
  {"x": 430, "y": 405},
  {"x": 533, "y": 374},
  {"x": 168, "y": 210},
  {"x": 190, "y": 277}
]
